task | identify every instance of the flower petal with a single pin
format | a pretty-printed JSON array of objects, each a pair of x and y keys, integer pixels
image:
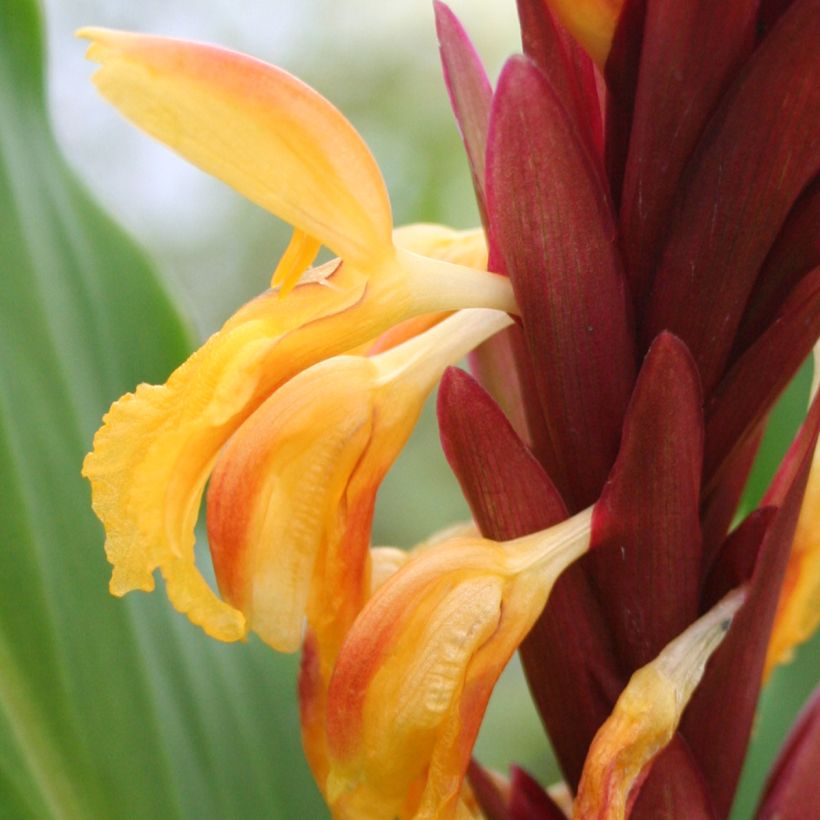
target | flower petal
[
  {"x": 794, "y": 254},
  {"x": 675, "y": 786},
  {"x": 568, "y": 653},
  {"x": 291, "y": 497},
  {"x": 749, "y": 389},
  {"x": 566, "y": 64},
  {"x": 690, "y": 52},
  {"x": 469, "y": 90},
  {"x": 276, "y": 488},
  {"x": 152, "y": 455},
  {"x": 467, "y": 248},
  {"x": 646, "y": 716},
  {"x": 467, "y": 414},
  {"x": 256, "y": 127},
  {"x": 417, "y": 669},
  {"x": 461, "y": 247},
  {"x": 720, "y": 505},
  {"x": 529, "y": 800},
  {"x": 498, "y": 361}
]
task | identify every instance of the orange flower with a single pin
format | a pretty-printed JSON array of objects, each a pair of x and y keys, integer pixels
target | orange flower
[
  {"x": 291, "y": 498},
  {"x": 292, "y": 493},
  {"x": 286, "y": 148},
  {"x": 415, "y": 673}
]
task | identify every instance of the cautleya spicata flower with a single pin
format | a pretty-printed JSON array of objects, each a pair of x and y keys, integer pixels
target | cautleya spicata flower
[{"x": 646, "y": 173}]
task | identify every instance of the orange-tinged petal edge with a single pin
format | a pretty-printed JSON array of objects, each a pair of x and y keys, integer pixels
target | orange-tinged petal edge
[
  {"x": 647, "y": 715},
  {"x": 257, "y": 128}
]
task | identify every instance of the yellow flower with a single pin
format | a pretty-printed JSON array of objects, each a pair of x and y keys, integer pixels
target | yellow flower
[
  {"x": 291, "y": 499},
  {"x": 286, "y": 148},
  {"x": 291, "y": 496},
  {"x": 415, "y": 673},
  {"x": 327, "y": 629},
  {"x": 647, "y": 714}
]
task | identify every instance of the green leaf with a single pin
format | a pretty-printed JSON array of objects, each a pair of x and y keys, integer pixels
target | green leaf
[{"x": 108, "y": 708}]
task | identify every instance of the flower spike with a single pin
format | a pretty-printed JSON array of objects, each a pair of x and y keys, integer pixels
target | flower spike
[
  {"x": 416, "y": 671},
  {"x": 647, "y": 715},
  {"x": 628, "y": 190}
]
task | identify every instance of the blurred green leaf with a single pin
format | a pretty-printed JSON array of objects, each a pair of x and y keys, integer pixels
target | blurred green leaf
[{"x": 108, "y": 708}]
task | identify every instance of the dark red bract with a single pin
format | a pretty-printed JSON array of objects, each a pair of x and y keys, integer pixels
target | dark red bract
[{"x": 659, "y": 222}]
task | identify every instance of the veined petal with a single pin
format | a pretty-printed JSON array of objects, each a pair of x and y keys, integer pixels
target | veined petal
[
  {"x": 591, "y": 22},
  {"x": 298, "y": 480},
  {"x": 568, "y": 67},
  {"x": 510, "y": 494},
  {"x": 461, "y": 247},
  {"x": 552, "y": 220},
  {"x": 257, "y": 128},
  {"x": 757, "y": 153},
  {"x": 732, "y": 682},
  {"x": 646, "y": 531},
  {"x": 281, "y": 144},
  {"x": 416, "y": 671},
  {"x": 384, "y": 563},
  {"x": 647, "y": 715},
  {"x": 276, "y": 488},
  {"x": 387, "y": 561},
  {"x": 470, "y": 93}
]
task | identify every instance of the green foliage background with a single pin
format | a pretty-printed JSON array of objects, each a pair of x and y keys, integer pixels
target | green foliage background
[{"x": 114, "y": 708}]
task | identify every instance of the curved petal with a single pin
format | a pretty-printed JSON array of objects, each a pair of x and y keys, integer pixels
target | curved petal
[
  {"x": 276, "y": 489},
  {"x": 153, "y": 454},
  {"x": 256, "y": 127},
  {"x": 416, "y": 671},
  {"x": 291, "y": 499},
  {"x": 647, "y": 715},
  {"x": 292, "y": 494}
]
